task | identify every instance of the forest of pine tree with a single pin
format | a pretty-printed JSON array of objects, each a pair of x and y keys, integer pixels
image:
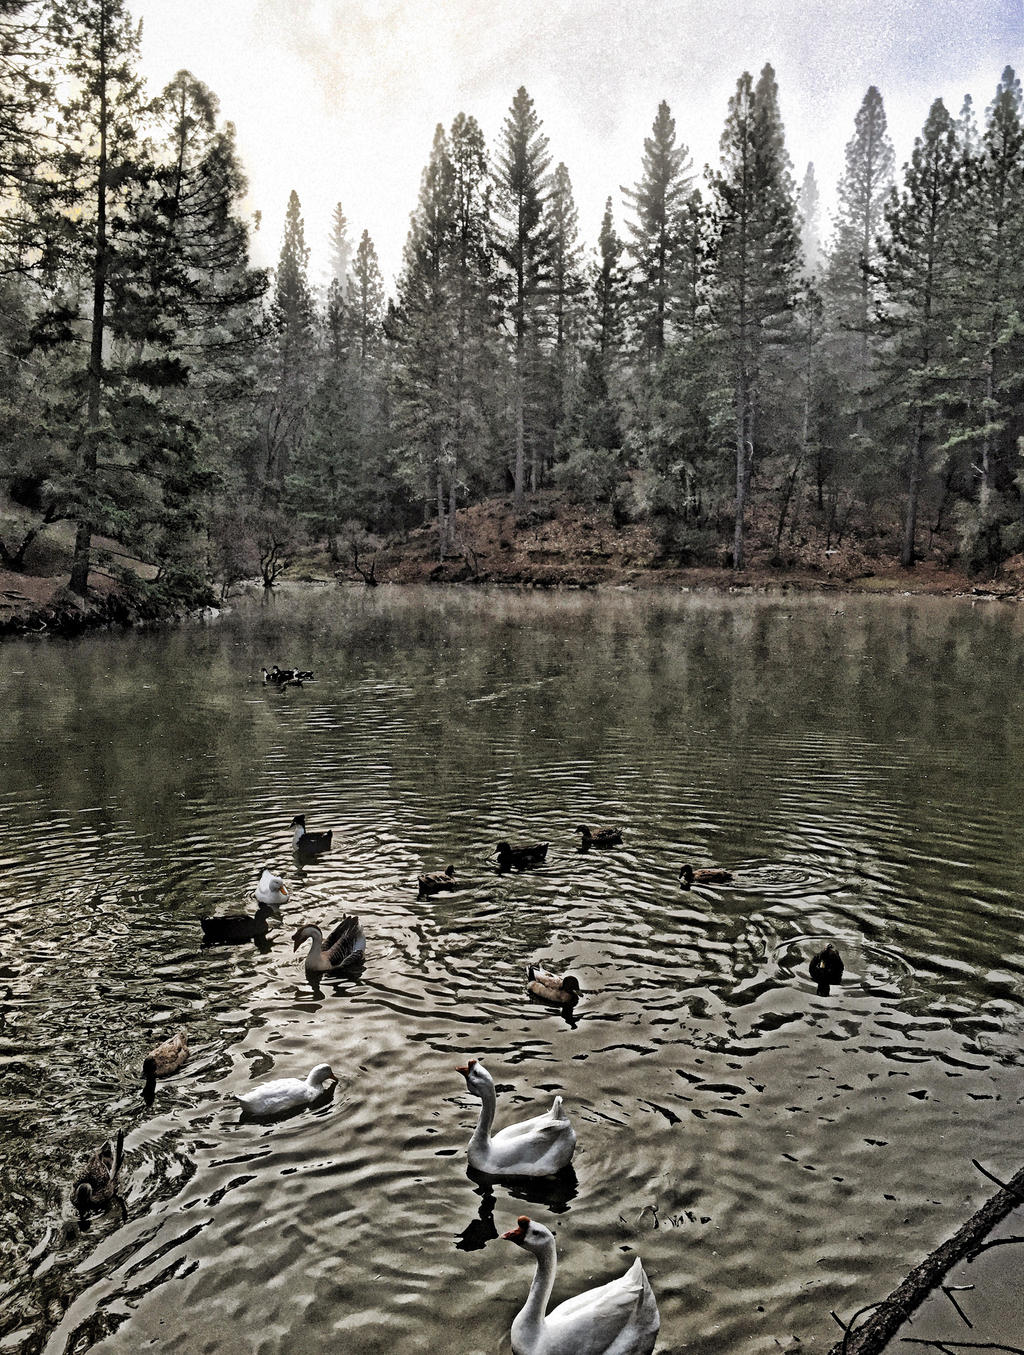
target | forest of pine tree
[{"x": 713, "y": 358}]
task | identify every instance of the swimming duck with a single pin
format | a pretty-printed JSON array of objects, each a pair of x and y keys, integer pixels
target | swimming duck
[
  {"x": 603, "y": 837},
  {"x": 344, "y": 948},
  {"x": 232, "y": 928},
  {"x": 617, "y": 1318},
  {"x": 564, "y": 992},
  {"x": 271, "y": 889},
  {"x": 163, "y": 1060},
  {"x": 97, "y": 1185},
  {"x": 291, "y": 675},
  {"x": 706, "y": 875},
  {"x": 521, "y": 855},
  {"x": 436, "y": 883},
  {"x": 826, "y": 968},
  {"x": 309, "y": 844},
  {"x": 286, "y": 1093},
  {"x": 540, "y": 1146}
]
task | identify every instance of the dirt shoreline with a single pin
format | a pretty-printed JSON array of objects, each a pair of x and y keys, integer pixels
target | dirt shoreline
[{"x": 549, "y": 544}]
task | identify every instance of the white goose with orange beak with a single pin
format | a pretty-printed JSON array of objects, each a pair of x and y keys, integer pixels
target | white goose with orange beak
[
  {"x": 617, "y": 1318},
  {"x": 540, "y": 1146}
]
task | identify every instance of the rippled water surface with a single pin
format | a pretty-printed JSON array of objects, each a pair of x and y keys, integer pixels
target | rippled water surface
[{"x": 772, "y": 1154}]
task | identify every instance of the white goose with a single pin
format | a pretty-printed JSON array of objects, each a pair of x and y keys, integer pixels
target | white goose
[
  {"x": 271, "y": 889},
  {"x": 617, "y": 1318},
  {"x": 541, "y": 1146},
  {"x": 286, "y": 1093}
]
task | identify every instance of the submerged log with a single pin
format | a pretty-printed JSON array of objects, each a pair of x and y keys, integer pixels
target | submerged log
[{"x": 889, "y": 1315}]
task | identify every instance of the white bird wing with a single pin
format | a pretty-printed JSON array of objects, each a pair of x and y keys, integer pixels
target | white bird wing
[
  {"x": 543, "y": 1126},
  {"x": 280, "y": 1094},
  {"x": 623, "y": 1307}
]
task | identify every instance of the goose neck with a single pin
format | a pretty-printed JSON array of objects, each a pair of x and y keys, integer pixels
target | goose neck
[
  {"x": 488, "y": 1101},
  {"x": 533, "y": 1310}
]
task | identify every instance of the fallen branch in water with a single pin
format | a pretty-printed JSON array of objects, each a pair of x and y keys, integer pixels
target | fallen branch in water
[{"x": 890, "y": 1314}]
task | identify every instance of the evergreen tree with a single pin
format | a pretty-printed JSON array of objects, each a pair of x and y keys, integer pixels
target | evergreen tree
[
  {"x": 523, "y": 245},
  {"x": 919, "y": 270},
  {"x": 565, "y": 289},
  {"x": 850, "y": 284},
  {"x": 658, "y": 242},
  {"x": 989, "y": 332},
  {"x": 293, "y": 354},
  {"x": 809, "y": 205},
  {"x": 756, "y": 261},
  {"x": 97, "y": 163},
  {"x": 24, "y": 92},
  {"x": 340, "y": 247},
  {"x": 608, "y": 291}
]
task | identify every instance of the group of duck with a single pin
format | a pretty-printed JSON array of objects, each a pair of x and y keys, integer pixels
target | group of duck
[{"x": 617, "y": 1318}]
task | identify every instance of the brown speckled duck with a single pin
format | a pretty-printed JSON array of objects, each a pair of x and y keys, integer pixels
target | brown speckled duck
[
  {"x": 163, "y": 1060},
  {"x": 519, "y": 855},
  {"x": 96, "y": 1187},
  {"x": 437, "y": 883},
  {"x": 706, "y": 875},
  {"x": 598, "y": 837}
]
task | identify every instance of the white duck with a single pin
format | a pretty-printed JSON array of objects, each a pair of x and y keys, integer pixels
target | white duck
[
  {"x": 271, "y": 889},
  {"x": 286, "y": 1093},
  {"x": 617, "y": 1318},
  {"x": 541, "y": 1146}
]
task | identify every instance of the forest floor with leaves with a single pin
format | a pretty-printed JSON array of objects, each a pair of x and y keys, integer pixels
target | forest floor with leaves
[
  {"x": 552, "y": 543},
  {"x": 549, "y": 543}
]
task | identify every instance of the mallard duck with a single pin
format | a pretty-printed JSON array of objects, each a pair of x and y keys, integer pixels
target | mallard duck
[
  {"x": 521, "y": 855},
  {"x": 344, "y": 948},
  {"x": 271, "y": 890},
  {"x": 540, "y": 1146},
  {"x": 603, "y": 837},
  {"x": 286, "y": 1093},
  {"x": 97, "y": 1185},
  {"x": 233, "y": 928},
  {"x": 706, "y": 875},
  {"x": 561, "y": 992},
  {"x": 309, "y": 844},
  {"x": 163, "y": 1060},
  {"x": 436, "y": 883},
  {"x": 617, "y": 1318},
  {"x": 285, "y": 675},
  {"x": 826, "y": 968}
]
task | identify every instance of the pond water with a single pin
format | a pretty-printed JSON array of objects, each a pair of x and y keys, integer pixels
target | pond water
[{"x": 770, "y": 1153}]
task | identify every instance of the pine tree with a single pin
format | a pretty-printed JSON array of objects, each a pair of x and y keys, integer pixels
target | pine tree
[
  {"x": 523, "y": 246},
  {"x": 97, "y": 163},
  {"x": 756, "y": 262},
  {"x": 850, "y": 285},
  {"x": 24, "y": 93},
  {"x": 608, "y": 291},
  {"x": 658, "y": 239},
  {"x": 919, "y": 271},
  {"x": 809, "y": 206},
  {"x": 989, "y": 334},
  {"x": 565, "y": 290},
  {"x": 293, "y": 354},
  {"x": 340, "y": 247}
]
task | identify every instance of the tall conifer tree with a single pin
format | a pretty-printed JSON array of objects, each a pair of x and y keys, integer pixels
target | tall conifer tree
[
  {"x": 919, "y": 269},
  {"x": 756, "y": 263},
  {"x": 658, "y": 240},
  {"x": 523, "y": 245}
]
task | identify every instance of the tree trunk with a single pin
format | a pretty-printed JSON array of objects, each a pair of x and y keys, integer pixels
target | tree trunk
[
  {"x": 79, "y": 580},
  {"x": 520, "y": 464},
  {"x": 742, "y": 400},
  {"x": 913, "y": 493}
]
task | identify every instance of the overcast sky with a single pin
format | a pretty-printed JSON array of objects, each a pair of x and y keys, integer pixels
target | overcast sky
[{"x": 339, "y": 99}]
